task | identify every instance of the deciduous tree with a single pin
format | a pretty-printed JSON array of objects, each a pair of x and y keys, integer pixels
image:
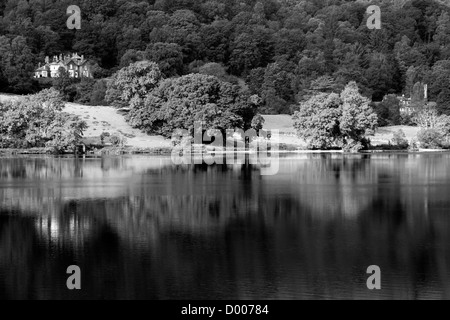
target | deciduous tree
[
  {"x": 178, "y": 102},
  {"x": 133, "y": 82}
]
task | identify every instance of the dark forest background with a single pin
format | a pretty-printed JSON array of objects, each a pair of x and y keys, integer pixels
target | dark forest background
[{"x": 285, "y": 51}]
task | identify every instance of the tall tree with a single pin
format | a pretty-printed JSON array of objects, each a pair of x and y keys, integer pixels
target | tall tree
[
  {"x": 178, "y": 102},
  {"x": 133, "y": 82},
  {"x": 168, "y": 56},
  {"x": 329, "y": 120},
  {"x": 17, "y": 63},
  {"x": 358, "y": 118}
]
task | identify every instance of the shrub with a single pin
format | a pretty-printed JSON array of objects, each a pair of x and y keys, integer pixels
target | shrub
[
  {"x": 38, "y": 121},
  {"x": 97, "y": 96},
  {"x": 430, "y": 139},
  {"x": 103, "y": 136},
  {"x": 258, "y": 122},
  {"x": 413, "y": 146},
  {"x": 399, "y": 140},
  {"x": 117, "y": 140},
  {"x": 407, "y": 120},
  {"x": 353, "y": 147},
  {"x": 66, "y": 132}
]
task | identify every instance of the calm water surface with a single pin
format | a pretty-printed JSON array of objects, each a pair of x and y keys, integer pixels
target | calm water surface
[{"x": 141, "y": 228}]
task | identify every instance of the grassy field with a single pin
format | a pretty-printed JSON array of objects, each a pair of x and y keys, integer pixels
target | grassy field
[
  {"x": 385, "y": 134},
  {"x": 107, "y": 119},
  {"x": 4, "y": 97},
  {"x": 285, "y": 124}
]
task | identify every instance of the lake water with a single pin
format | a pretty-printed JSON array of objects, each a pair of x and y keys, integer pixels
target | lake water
[{"x": 142, "y": 228}]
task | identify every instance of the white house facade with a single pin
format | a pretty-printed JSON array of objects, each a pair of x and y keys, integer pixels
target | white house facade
[{"x": 77, "y": 67}]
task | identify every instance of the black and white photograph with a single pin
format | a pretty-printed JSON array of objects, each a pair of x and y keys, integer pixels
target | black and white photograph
[{"x": 226, "y": 155}]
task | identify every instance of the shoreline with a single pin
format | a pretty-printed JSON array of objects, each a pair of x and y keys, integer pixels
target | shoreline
[
  {"x": 117, "y": 151},
  {"x": 100, "y": 152}
]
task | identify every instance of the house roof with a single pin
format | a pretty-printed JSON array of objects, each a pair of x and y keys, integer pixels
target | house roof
[
  {"x": 74, "y": 59},
  {"x": 43, "y": 68},
  {"x": 76, "y": 62},
  {"x": 55, "y": 63}
]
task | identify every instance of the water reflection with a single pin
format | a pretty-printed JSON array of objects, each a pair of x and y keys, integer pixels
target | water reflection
[{"x": 141, "y": 227}]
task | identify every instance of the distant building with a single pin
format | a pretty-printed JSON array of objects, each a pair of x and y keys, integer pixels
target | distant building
[
  {"x": 75, "y": 65},
  {"x": 405, "y": 105},
  {"x": 419, "y": 98}
]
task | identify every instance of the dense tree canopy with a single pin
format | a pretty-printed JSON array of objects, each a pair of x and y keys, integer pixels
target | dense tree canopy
[
  {"x": 17, "y": 64},
  {"x": 284, "y": 50},
  {"x": 133, "y": 82},
  {"x": 177, "y": 103},
  {"x": 332, "y": 120},
  {"x": 388, "y": 111},
  {"x": 38, "y": 121},
  {"x": 317, "y": 121}
]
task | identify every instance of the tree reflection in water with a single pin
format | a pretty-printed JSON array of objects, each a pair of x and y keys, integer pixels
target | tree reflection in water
[{"x": 141, "y": 227}]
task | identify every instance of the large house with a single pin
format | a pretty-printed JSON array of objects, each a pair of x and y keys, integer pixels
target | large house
[{"x": 76, "y": 66}]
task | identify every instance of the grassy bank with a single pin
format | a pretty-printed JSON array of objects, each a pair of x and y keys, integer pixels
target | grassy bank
[
  {"x": 31, "y": 151},
  {"x": 288, "y": 135},
  {"x": 132, "y": 150}
]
